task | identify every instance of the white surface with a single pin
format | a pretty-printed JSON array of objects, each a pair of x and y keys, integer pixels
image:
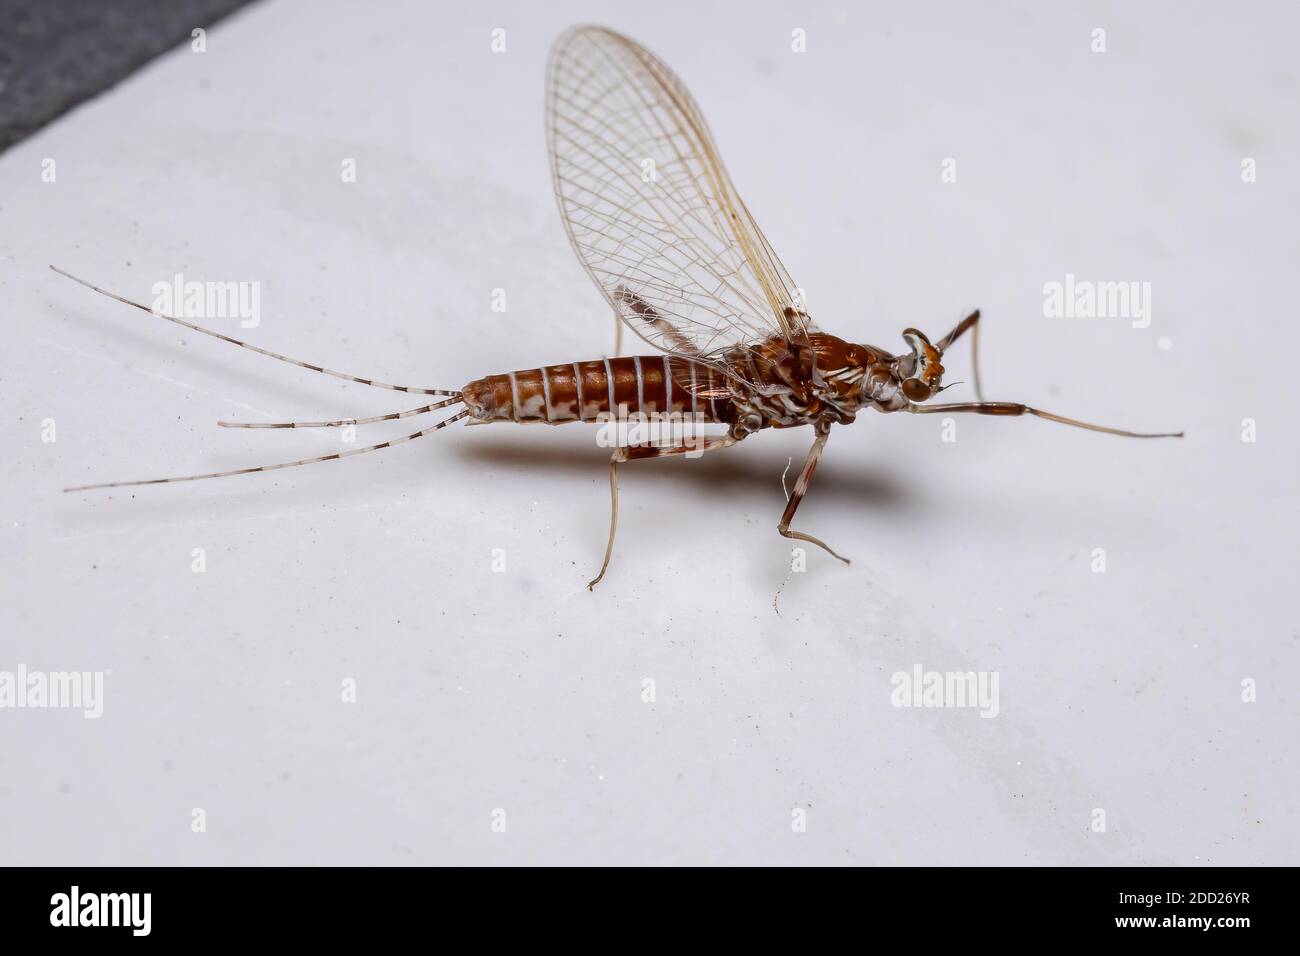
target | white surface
[{"x": 522, "y": 691}]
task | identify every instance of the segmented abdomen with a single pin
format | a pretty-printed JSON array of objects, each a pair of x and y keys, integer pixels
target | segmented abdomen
[{"x": 585, "y": 391}]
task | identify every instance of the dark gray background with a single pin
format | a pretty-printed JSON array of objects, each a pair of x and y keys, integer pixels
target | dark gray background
[{"x": 54, "y": 55}]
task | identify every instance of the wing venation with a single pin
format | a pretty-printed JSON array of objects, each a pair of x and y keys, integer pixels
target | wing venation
[{"x": 649, "y": 207}]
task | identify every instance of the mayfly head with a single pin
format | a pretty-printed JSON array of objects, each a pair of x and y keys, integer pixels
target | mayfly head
[{"x": 919, "y": 372}]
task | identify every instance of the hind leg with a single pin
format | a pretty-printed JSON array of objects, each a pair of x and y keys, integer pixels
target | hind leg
[{"x": 633, "y": 453}]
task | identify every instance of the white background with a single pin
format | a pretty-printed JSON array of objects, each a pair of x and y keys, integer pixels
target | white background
[{"x": 520, "y": 690}]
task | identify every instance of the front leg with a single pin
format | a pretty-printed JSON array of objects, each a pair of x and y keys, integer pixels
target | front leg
[
  {"x": 1016, "y": 408},
  {"x": 970, "y": 322},
  {"x": 800, "y": 488}
]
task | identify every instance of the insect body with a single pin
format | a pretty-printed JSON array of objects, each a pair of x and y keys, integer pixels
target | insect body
[
  {"x": 767, "y": 386},
  {"x": 658, "y": 225},
  {"x": 595, "y": 391}
]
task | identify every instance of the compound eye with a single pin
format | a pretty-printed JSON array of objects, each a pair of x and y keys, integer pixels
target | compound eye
[{"x": 915, "y": 390}]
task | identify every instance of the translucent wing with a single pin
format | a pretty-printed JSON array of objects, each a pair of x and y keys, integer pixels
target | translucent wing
[{"x": 650, "y": 209}]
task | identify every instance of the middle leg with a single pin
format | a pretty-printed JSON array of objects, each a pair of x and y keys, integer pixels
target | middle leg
[{"x": 800, "y": 488}]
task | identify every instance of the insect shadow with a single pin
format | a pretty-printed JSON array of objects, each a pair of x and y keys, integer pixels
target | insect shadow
[{"x": 757, "y": 477}]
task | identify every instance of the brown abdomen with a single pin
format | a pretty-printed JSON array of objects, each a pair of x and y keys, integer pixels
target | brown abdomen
[{"x": 585, "y": 391}]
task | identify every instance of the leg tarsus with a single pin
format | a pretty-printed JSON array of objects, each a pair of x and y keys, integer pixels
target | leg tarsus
[
  {"x": 785, "y": 530},
  {"x": 613, "y": 519}
]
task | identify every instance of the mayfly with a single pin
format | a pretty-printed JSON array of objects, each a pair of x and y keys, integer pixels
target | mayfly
[{"x": 658, "y": 225}]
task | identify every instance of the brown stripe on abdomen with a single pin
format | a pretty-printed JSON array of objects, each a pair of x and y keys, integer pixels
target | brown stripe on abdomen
[{"x": 585, "y": 391}]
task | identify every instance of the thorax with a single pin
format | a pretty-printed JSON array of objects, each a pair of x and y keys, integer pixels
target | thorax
[{"x": 825, "y": 381}]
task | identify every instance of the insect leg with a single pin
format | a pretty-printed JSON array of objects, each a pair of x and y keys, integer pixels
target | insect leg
[
  {"x": 253, "y": 348},
  {"x": 635, "y": 452},
  {"x": 346, "y": 421},
  {"x": 613, "y": 516},
  {"x": 970, "y": 322},
  {"x": 801, "y": 488},
  {"x": 287, "y": 464},
  {"x": 1015, "y": 408}
]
